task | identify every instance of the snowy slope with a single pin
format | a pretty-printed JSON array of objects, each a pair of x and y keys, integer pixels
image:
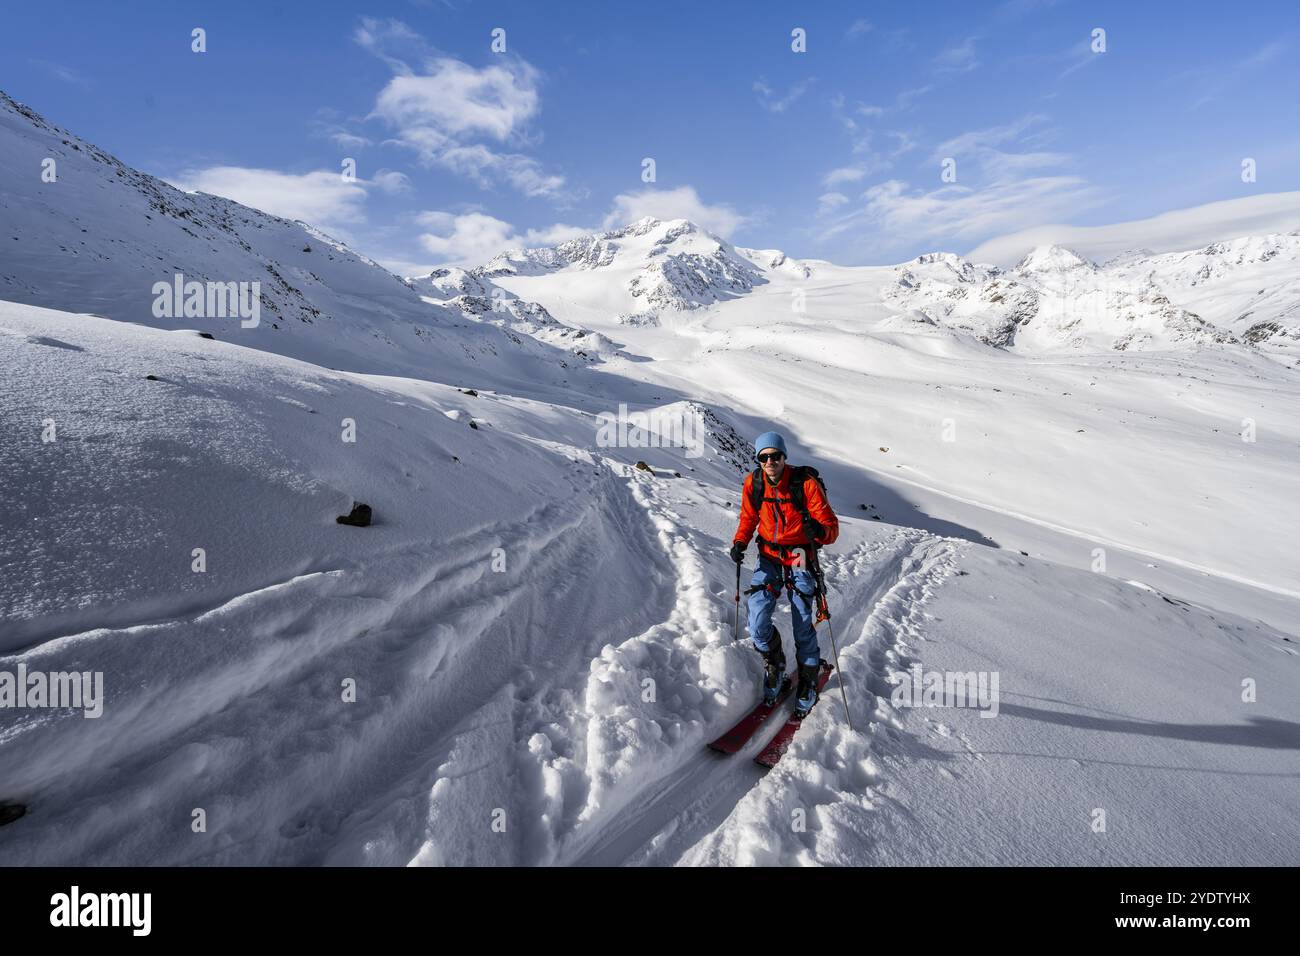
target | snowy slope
[
  {"x": 1249, "y": 286},
  {"x": 929, "y": 407},
  {"x": 1113, "y": 697},
  {"x": 523, "y": 689}
]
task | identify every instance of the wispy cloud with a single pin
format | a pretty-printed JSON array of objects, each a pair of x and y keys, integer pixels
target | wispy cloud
[
  {"x": 484, "y": 165},
  {"x": 1077, "y": 56},
  {"x": 391, "y": 181},
  {"x": 327, "y": 125},
  {"x": 981, "y": 143},
  {"x": 960, "y": 58},
  {"x": 906, "y": 98},
  {"x": 870, "y": 154},
  {"x": 858, "y": 28},
  {"x": 895, "y": 214},
  {"x": 390, "y": 40},
  {"x": 1212, "y": 84},
  {"x": 768, "y": 99},
  {"x": 829, "y": 202},
  {"x": 896, "y": 41},
  {"x": 1006, "y": 181},
  {"x": 1169, "y": 232},
  {"x": 61, "y": 72},
  {"x": 844, "y": 174}
]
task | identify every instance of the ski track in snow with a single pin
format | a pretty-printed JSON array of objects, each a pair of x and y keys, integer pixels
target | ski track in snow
[
  {"x": 876, "y": 592},
  {"x": 831, "y": 773},
  {"x": 583, "y": 752},
  {"x": 619, "y": 778},
  {"x": 286, "y": 647}
]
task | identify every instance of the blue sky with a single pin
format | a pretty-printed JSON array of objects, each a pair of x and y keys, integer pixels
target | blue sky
[{"x": 835, "y": 153}]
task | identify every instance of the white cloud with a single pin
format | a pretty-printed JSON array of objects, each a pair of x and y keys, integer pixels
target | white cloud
[
  {"x": 858, "y": 27},
  {"x": 894, "y": 216},
  {"x": 382, "y": 37},
  {"x": 907, "y": 97},
  {"x": 552, "y": 235},
  {"x": 999, "y": 182},
  {"x": 904, "y": 143},
  {"x": 1169, "y": 232},
  {"x": 482, "y": 164},
  {"x": 1077, "y": 56},
  {"x": 829, "y": 202},
  {"x": 321, "y": 198},
  {"x": 446, "y": 110},
  {"x": 680, "y": 203},
  {"x": 456, "y": 99},
  {"x": 768, "y": 99},
  {"x": 349, "y": 140},
  {"x": 957, "y": 59},
  {"x": 845, "y": 174},
  {"x": 964, "y": 213},
  {"x": 391, "y": 181},
  {"x": 473, "y": 238},
  {"x": 327, "y": 125},
  {"x": 980, "y": 143}
]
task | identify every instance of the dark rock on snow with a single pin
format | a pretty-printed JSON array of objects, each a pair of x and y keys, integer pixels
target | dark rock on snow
[{"x": 359, "y": 517}]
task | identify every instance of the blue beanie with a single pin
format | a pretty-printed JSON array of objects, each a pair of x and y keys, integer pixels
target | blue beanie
[{"x": 770, "y": 440}]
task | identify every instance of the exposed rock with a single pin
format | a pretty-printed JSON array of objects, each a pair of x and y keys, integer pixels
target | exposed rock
[{"x": 358, "y": 517}]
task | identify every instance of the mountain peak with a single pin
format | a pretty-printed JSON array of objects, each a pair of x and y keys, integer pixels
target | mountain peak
[{"x": 1053, "y": 258}]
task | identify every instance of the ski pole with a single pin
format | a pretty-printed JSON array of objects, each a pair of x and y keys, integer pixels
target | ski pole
[
  {"x": 824, "y": 611},
  {"x": 836, "y": 654},
  {"x": 736, "y": 617}
]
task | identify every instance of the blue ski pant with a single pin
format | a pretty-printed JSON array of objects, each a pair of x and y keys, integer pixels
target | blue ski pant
[{"x": 770, "y": 576}]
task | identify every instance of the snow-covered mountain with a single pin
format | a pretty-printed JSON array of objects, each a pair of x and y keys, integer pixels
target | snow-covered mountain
[
  {"x": 99, "y": 236},
  {"x": 660, "y": 265},
  {"x": 1053, "y": 300}
]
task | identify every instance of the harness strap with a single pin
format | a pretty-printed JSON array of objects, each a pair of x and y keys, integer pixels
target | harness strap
[{"x": 785, "y": 549}]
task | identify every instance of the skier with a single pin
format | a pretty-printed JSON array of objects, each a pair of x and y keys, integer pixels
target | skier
[{"x": 788, "y": 506}]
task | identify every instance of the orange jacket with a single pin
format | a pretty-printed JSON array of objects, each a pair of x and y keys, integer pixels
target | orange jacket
[{"x": 779, "y": 522}]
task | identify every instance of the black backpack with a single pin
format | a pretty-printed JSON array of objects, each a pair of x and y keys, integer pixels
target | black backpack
[{"x": 798, "y": 475}]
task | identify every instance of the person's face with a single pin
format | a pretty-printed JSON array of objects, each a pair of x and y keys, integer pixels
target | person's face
[{"x": 774, "y": 464}]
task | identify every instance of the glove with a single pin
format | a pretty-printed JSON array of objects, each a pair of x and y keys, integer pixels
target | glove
[
  {"x": 737, "y": 552},
  {"x": 818, "y": 530}
]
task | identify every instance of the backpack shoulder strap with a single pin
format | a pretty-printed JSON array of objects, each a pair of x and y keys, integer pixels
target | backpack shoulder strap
[
  {"x": 798, "y": 475},
  {"x": 756, "y": 489}
]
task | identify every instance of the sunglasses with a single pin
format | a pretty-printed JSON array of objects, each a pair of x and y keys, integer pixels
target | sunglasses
[{"x": 774, "y": 456}]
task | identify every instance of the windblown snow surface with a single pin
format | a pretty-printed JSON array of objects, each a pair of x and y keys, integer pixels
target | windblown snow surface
[{"x": 540, "y": 634}]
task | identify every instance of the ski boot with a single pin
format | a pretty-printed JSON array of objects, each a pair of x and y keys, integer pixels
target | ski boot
[
  {"x": 806, "y": 694},
  {"x": 773, "y": 668}
]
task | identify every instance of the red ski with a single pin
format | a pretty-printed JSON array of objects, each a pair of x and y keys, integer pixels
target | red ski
[
  {"x": 781, "y": 742},
  {"x": 736, "y": 738}
]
